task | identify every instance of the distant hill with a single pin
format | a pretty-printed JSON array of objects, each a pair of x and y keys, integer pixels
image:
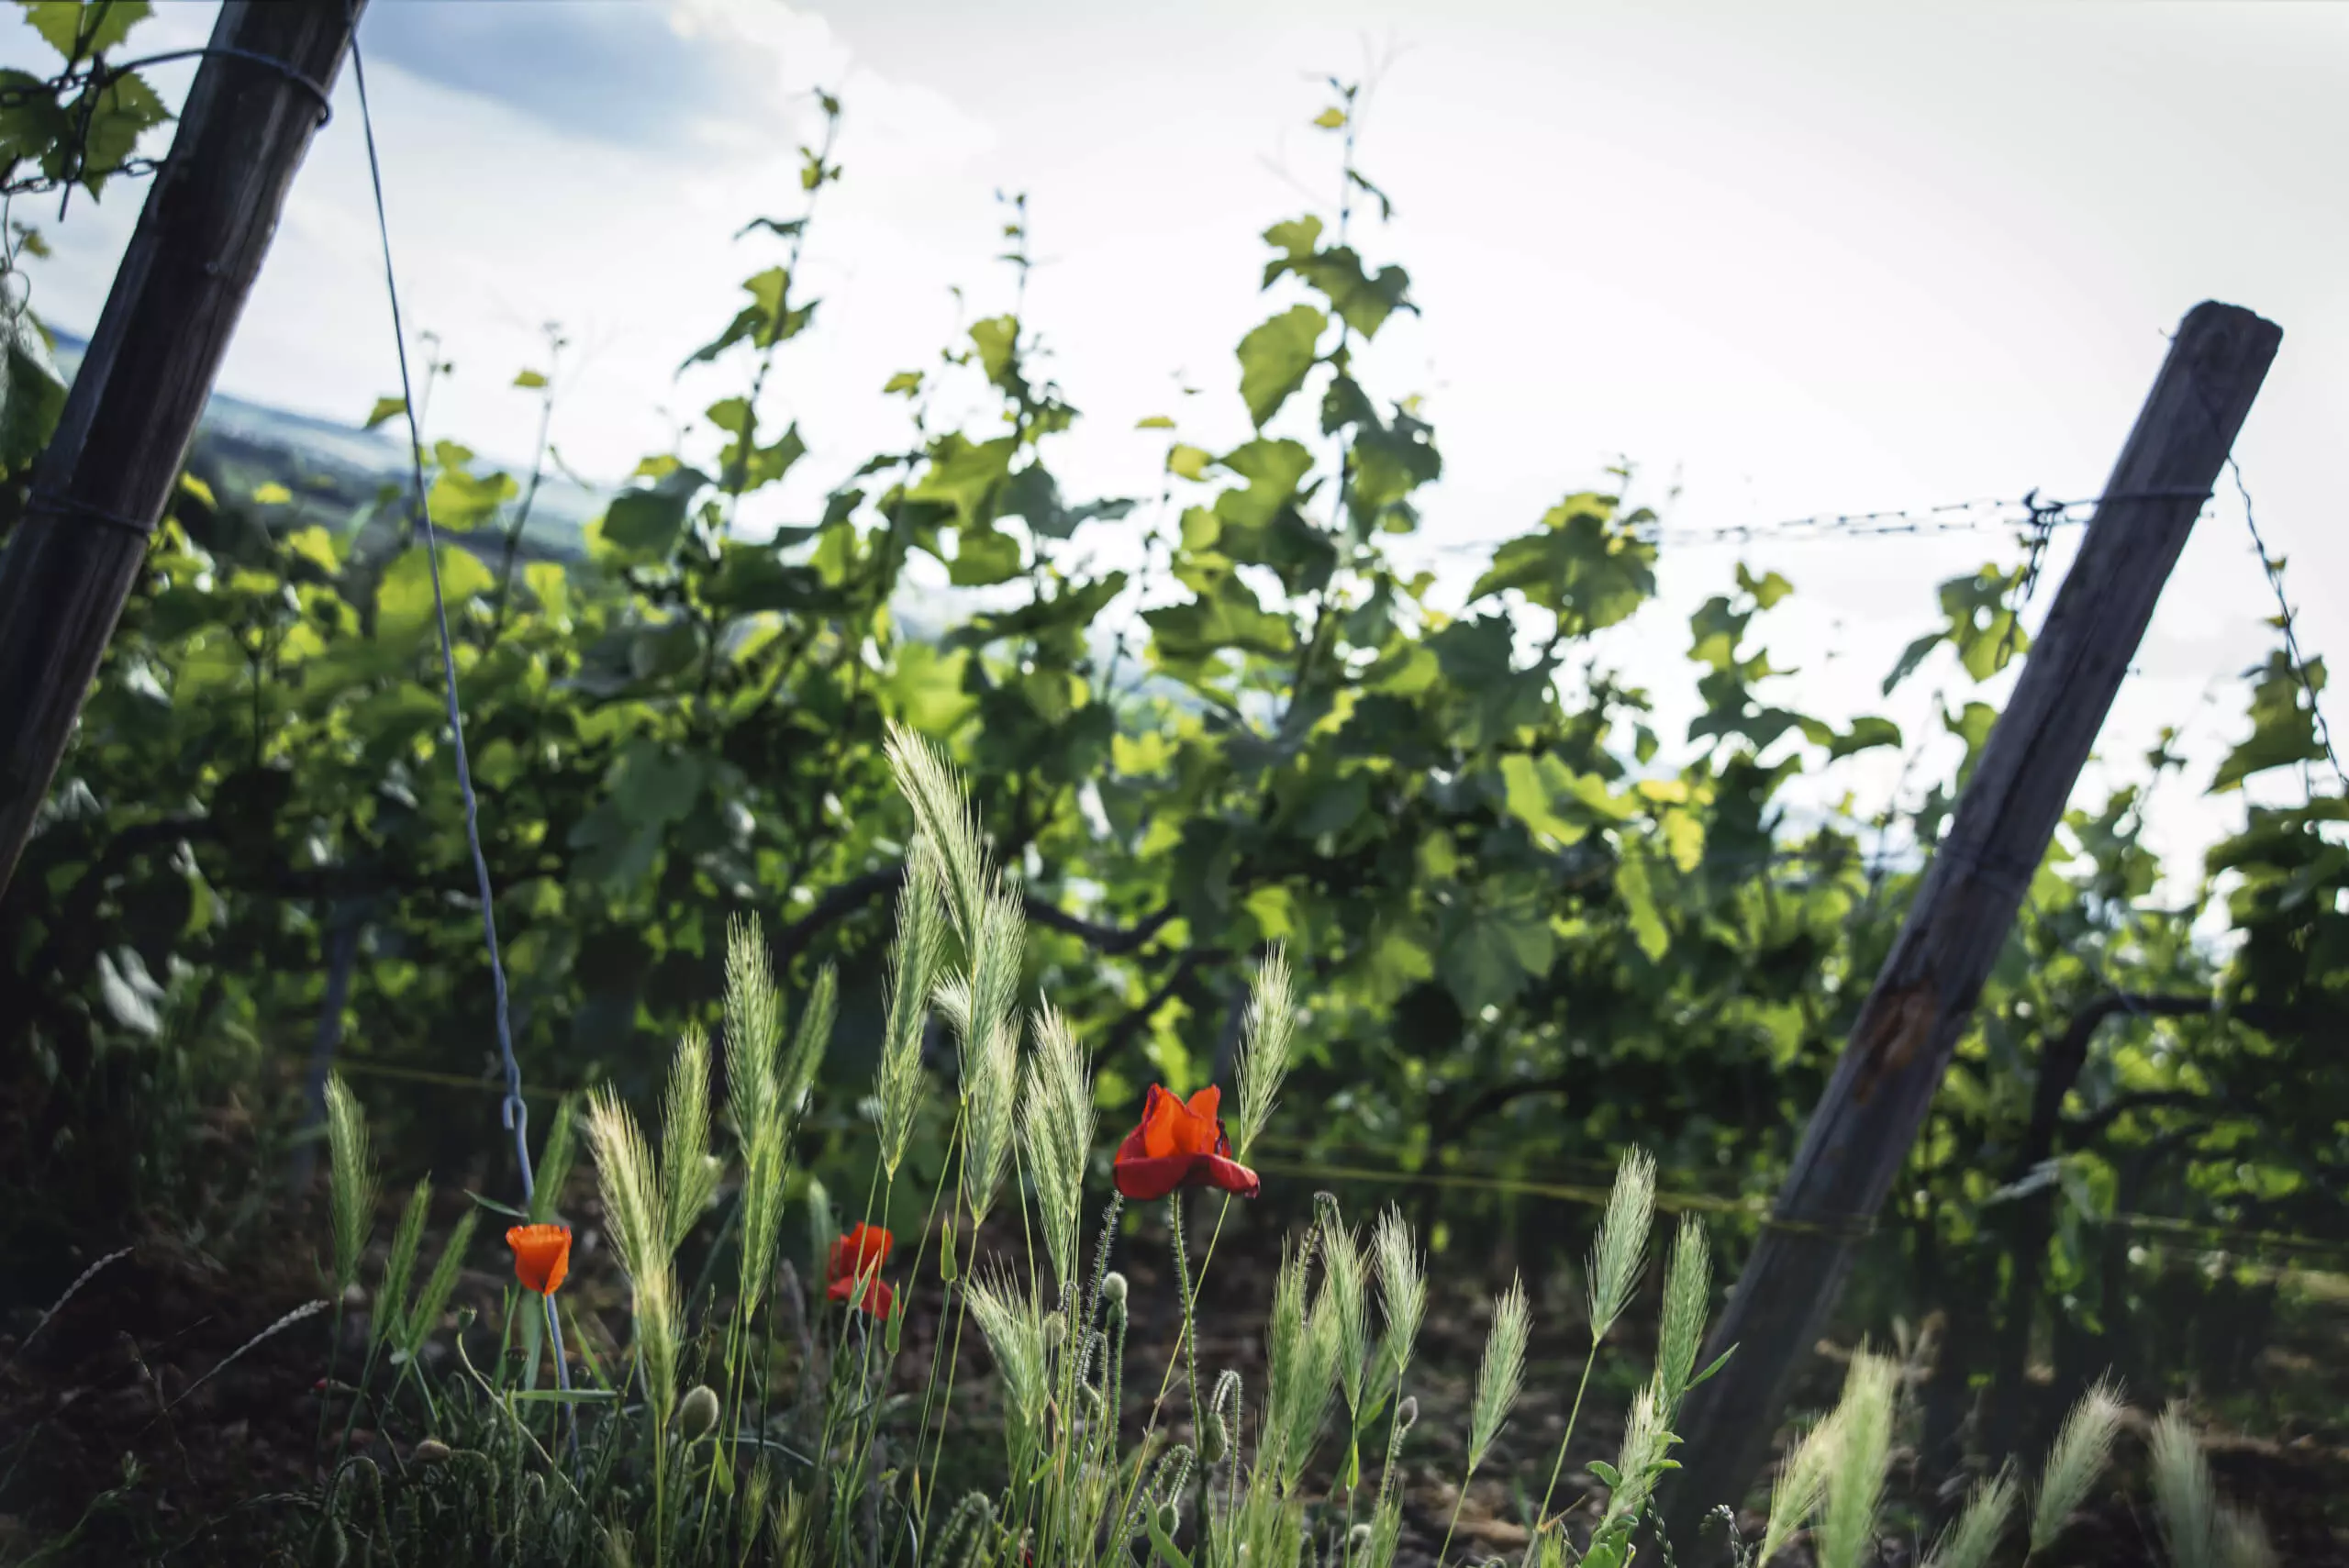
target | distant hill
[
  {"x": 337, "y": 470},
  {"x": 338, "y": 473}
]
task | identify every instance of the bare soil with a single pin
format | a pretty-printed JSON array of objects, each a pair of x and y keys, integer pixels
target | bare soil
[{"x": 110, "y": 1417}]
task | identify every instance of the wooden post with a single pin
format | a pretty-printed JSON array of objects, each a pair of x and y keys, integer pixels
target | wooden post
[
  {"x": 1860, "y": 1136},
  {"x": 100, "y": 487}
]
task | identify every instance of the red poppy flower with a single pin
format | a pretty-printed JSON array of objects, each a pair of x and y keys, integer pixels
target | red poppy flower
[
  {"x": 541, "y": 1255},
  {"x": 1180, "y": 1145},
  {"x": 855, "y": 1262}
]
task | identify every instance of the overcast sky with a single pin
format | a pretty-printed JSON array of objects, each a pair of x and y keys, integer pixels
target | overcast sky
[{"x": 1809, "y": 259}]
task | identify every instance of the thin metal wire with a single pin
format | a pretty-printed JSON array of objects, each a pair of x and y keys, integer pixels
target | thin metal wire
[
  {"x": 2287, "y": 620},
  {"x": 1948, "y": 518},
  {"x": 42, "y": 499},
  {"x": 516, "y": 1113},
  {"x": 2275, "y": 571}
]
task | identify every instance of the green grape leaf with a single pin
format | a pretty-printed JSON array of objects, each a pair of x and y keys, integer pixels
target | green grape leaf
[
  {"x": 646, "y": 523},
  {"x": 79, "y": 31},
  {"x": 403, "y": 595},
  {"x": 2283, "y": 726},
  {"x": 32, "y": 393},
  {"x": 1275, "y": 358},
  {"x": 459, "y": 502}
]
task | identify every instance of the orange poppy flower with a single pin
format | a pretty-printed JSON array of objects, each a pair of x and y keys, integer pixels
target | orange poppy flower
[
  {"x": 1180, "y": 1145},
  {"x": 541, "y": 1255},
  {"x": 855, "y": 1262}
]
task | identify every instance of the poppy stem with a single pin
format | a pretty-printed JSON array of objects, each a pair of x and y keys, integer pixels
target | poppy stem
[
  {"x": 1188, "y": 1345},
  {"x": 1175, "y": 1360}
]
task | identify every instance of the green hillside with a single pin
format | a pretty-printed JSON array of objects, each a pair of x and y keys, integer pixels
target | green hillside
[{"x": 338, "y": 473}]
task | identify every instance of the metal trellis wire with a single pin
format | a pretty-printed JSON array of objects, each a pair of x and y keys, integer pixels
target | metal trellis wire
[{"x": 514, "y": 1111}]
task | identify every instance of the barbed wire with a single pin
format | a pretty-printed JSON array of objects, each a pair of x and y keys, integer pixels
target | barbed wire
[{"x": 88, "y": 82}]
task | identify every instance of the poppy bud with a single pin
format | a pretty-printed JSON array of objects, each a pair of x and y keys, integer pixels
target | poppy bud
[
  {"x": 1407, "y": 1414},
  {"x": 1055, "y": 1329},
  {"x": 1113, "y": 1288},
  {"x": 700, "y": 1411},
  {"x": 1214, "y": 1439},
  {"x": 1358, "y": 1540},
  {"x": 1168, "y": 1518},
  {"x": 431, "y": 1451}
]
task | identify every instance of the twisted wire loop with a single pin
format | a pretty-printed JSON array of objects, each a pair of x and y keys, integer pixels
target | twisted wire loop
[
  {"x": 1833, "y": 1227},
  {"x": 42, "y": 499},
  {"x": 2009, "y": 875},
  {"x": 316, "y": 90}
]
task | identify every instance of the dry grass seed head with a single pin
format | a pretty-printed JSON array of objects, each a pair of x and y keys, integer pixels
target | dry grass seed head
[
  {"x": 1012, "y": 1319},
  {"x": 688, "y": 1175},
  {"x": 1501, "y": 1373},
  {"x": 981, "y": 1005},
  {"x": 1402, "y": 1291},
  {"x": 2184, "y": 1495},
  {"x": 391, "y": 1295},
  {"x": 1301, "y": 1397},
  {"x": 638, "y": 1223},
  {"x": 914, "y": 959},
  {"x": 1800, "y": 1482},
  {"x": 1855, "y": 1481},
  {"x": 1616, "y": 1256},
  {"x": 630, "y": 1183},
  {"x": 1688, "y": 1293},
  {"x": 1646, "y": 1442},
  {"x": 1345, "y": 1288},
  {"x": 1265, "y": 1052},
  {"x": 2082, "y": 1448},
  {"x": 753, "y": 1029},
  {"x": 942, "y": 809},
  {"x": 1970, "y": 1542},
  {"x": 807, "y": 1045},
  {"x": 1056, "y": 1127},
  {"x": 351, "y": 1180}
]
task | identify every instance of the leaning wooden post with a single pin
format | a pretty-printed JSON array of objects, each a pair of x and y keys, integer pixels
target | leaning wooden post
[
  {"x": 1860, "y": 1136},
  {"x": 100, "y": 487}
]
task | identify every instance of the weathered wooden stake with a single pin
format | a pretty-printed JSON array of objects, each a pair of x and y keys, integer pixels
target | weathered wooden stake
[
  {"x": 100, "y": 486},
  {"x": 1860, "y": 1136}
]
